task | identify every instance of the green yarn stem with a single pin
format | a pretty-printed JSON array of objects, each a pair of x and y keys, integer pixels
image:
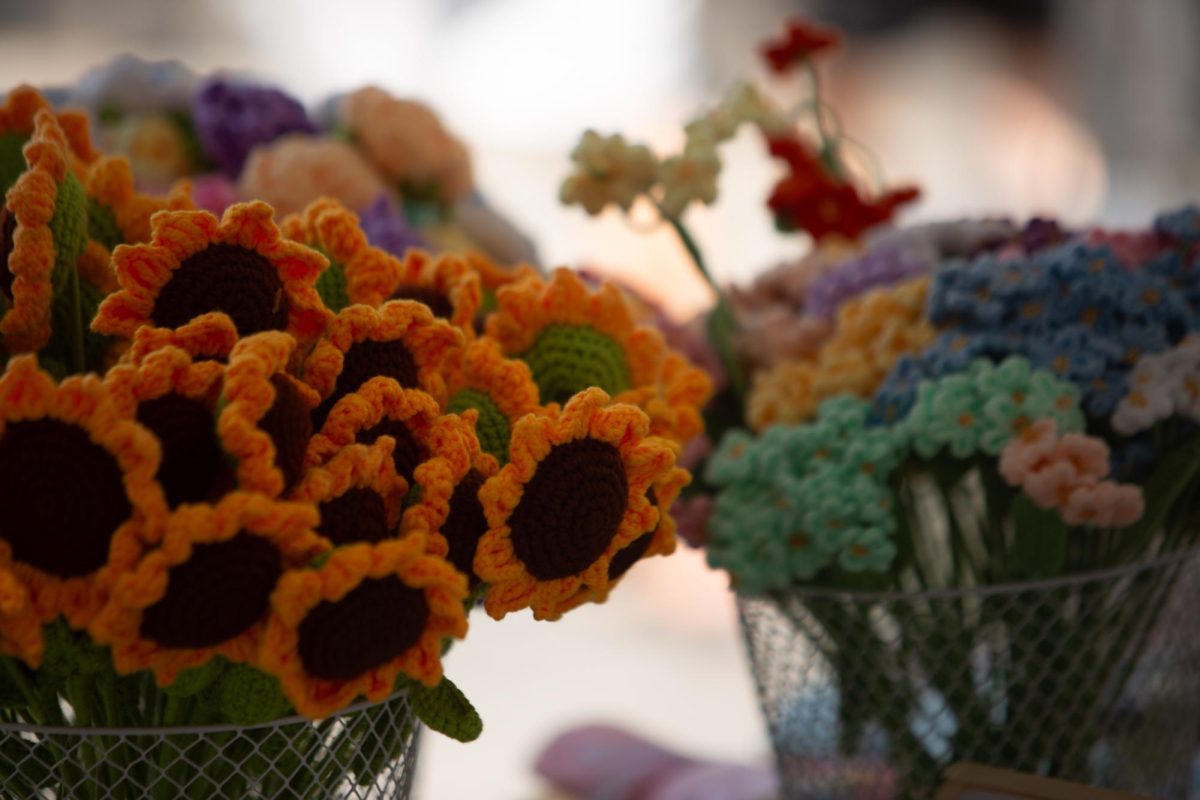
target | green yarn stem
[
  {"x": 102, "y": 225},
  {"x": 331, "y": 285},
  {"x": 69, "y": 229},
  {"x": 492, "y": 428},
  {"x": 566, "y": 359},
  {"x": 12, "y": 160},
  {"x": 829, "y": 142}
]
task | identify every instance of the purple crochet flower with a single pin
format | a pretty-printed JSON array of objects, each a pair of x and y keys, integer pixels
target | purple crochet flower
[
  {"x": 878, "y": 267},
  {"x": 231, "y": 119},
  {"x": 385, "y": 227}
]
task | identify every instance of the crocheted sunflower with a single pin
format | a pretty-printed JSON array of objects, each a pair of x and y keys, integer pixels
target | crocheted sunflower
[
  {"x": 207, "y": 337},
  {"x": 491, "y": 277},
  {"x": 573, "y": 338},
  {"x": 674, "y": 402},
  {"x": 265, "y": 417},
  {"x": 350, "y": 626},
  {"x": 175, "y": 398},
  {"x": 399, "y": 340},
  {"x": 411, "y": 417},
  {"x": 20, "y": 628},
  {"x": 195, "y": 265},
  {"x": 43, "y": 230},
  {"x": 76, "y": 488},
  {"x": 449, "y": 506},
  {"x": 18, "y": 113},
  {"x": 445, "y": 283},
  {"x": 501, "y": 390},
  {"x": 205, "y": 590},
  {"x": 357, "y": 492},
  {"x": 357, "y": 272},
  {"x": 572, "y": 497}
]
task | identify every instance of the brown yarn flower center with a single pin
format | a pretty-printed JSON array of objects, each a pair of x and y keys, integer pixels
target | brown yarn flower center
[
  {"x": 466, "y": 524},
  {"x": 61, "y": 497},
  {"x": 193, "y": 468},
  {"x": 376, "y": 621},
  {"x": 628, "y": 555},
  {"x": 289, "y": 425},
  {"x": 8, "y": 232},
  {"x": 571, "y": 509},
  {"x": 228, "y": 278},
  {"x": 215, "y": 595},
  {"x": 365, "y": 360},
  {"x": 437, "y": 301},
  {"x": 358, "y": 515},
  {"x": 408, "y": 454}
]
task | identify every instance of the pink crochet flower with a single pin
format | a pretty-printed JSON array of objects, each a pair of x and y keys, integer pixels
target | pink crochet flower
[
  {"x": 1087, "y": 454},
  {"x": 1104, "y": 505},
  {"x": 1025, "y": 453},
  {"x": 1052, "y": 484}
]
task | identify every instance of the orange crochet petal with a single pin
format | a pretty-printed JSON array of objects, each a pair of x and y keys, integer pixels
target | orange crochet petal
[
  {"x": 357, "y": 492},
  {"x": 500, "y": 390}
]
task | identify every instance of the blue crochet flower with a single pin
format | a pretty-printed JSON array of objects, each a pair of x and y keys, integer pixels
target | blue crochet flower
[
  {"x": 1181, "y": 225},
  {"x": 896, "y": 395},
  {"x": 1102, "y": 394},
  {"x": 1074, "y": 353}
]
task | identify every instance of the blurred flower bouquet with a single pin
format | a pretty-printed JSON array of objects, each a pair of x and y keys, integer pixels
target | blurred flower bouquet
[
  {"x": 251, "y": 470},
  {"x": 960, "y": 489}
]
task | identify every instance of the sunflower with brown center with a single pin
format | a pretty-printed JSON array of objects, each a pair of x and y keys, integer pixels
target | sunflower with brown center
[
  {"x": 500, "y": 389},
  {"x": 572, "y": 496},
  {"x": 349, "y": 627},
  {"x": 43, "y": 230},
  {"x": 491, "y": 277},
  {"x": 357, "y": 272},
  {"x": 674, "y": 402},
  {"x": 175, "y": 398},
  {"x": 117, "y": 214},
  {"x": 399, "y": 340},
  {"x": 76, "y": 488},
  {"x": 357, "y": 492},
  {"x": 409, "y": 416},
  {"x": 449, "y": 506},
  {"x": 17, "y": 122},
  {"x": 20, "y": 627},
  {"x": 573, "y": 338},
  {"x": 195, "y": 265},
  {"x": 205, "y": 591},
  {"x": 208, "y": 337},
  {"x": 445, "y": 283},
  {"x": 265, "y": 419}
]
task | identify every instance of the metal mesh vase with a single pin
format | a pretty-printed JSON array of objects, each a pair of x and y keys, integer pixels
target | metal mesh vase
[
  {"x": 1093, "y": 678},
  {"x": 368, "y": 750}
]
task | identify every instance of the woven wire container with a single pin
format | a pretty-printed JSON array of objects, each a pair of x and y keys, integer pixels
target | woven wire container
[
  {"x": 1093, "y": 678},
  {"x": 368, "y": 750}
]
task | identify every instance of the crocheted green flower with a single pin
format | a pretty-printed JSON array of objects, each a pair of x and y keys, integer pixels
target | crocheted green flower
[
  {"x": 946, "y": 414},
  {"x": 745, "y": 540},
  {"x": 875, "y": 452},
  {"x": 867, "y": 549},
  {"x": 735, "y": 460},
  {"x": 1015, "y": 396}
]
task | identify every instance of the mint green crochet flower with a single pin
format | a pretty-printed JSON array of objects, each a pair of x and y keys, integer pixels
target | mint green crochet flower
[
  {"x": 1063, "y": 399},
  {"x": 876, "y": 502},
  {"x": 847, "y": 414},
  {"x": 1016, "y": 395},
  {"x": 735, "y": 460},
  {"x": 755, "y": 555},
  {"x": 805, "y": 559},
  {"x": 875, "y": 452},
  {"x": 831, "y": 510},
  {"x": 955, "y": 415},
  {"x": 866, "y": 549}
]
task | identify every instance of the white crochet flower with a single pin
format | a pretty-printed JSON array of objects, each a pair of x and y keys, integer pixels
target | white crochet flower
[
  {"x": 609, "y": 170},
  {"x": 689, "y": 177}
]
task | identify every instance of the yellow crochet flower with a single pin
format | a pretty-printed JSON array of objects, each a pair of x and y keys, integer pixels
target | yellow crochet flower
[
  {"x": 491, "y": 277},
  {"x": 76, "y": 487},
  {"x": 175, "y": 398},
  {"x": 18, "y": 113},
  {"x": 350, "y": 626},
  {"x": 674, "y": 402},
  {"x": 449, "y": 506},
  {"x": 43, "y": 231},
  {"x": 570, "y": 499},
  {"x": 445, "y": 283},
  {"x": 399, "y": 340},
  {"x": 357, "y": 492},
  {"x": 871, "y": 333},
  {"x": 264, "y": 422},
  {"x": 208, "y": 336},
  {"x": 119, "y": 215},
  {"x": 357, "y": 272},
  {"x": 501, "y": 390},
  {"x": 20, "y": 628},
  {"x": 573, "y": 338},
  {"x": 411, "y": 417},
  {"x": 206, "y": 590},
  {"x": 195, "y": 265}
]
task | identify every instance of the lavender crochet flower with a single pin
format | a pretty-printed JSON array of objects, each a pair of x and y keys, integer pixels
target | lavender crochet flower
[
  {"x": 231, "y": 119},
  {"x": 385, "y": 227},
  {"x": 882, "y": 266}
]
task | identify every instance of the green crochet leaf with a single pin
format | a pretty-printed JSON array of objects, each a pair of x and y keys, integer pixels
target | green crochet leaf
[
  {"x": 69, "y": 227},
  {"x": 492, "y": 428},
  {"x": 246, "y": 696},
  {"x": 331, "y": 285},
  {"x": 193, "y": 681},
  {"x": 445, "y": 709},
  {"x": 1039, "y": 545},
  {"x": 12, "y": 159},
  {"x": 69, "y": 653},
  {"x": 566, "y": 359},
  {"x": 102, "y": 225}
]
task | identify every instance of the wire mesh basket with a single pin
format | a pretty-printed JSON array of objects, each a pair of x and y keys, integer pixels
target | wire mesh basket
[
  {"x": 1093, "y": 678},
  {"x": 369, "y": 750}
]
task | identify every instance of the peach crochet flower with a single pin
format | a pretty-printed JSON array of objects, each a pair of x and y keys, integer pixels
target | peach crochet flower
[
  {"x": 1023, "y": 453},
  {"x": 1104, "y": 505},
  {"x": 408, "y": 143},
  {"x": 295, "y": 170}
]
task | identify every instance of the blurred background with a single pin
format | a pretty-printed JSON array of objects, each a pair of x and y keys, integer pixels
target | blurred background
[{"x": 1082, "y": 109}]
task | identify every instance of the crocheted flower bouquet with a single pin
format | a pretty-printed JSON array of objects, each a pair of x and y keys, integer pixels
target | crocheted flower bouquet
[
  {"x": 254, "y": 467},
  {"x": 959, "y": 461}
]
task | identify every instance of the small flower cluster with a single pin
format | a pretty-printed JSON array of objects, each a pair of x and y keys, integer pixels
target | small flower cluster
[
  {"x": 1161, "y": 385},
  {"x": 800, "y": 499}
]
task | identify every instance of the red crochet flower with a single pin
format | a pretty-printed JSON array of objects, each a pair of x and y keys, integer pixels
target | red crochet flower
[{"x": 801, "y": 40}]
